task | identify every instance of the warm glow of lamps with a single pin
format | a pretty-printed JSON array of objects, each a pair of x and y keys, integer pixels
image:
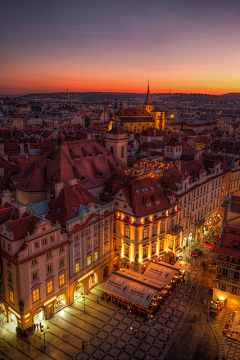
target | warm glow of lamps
[{"x": 221, "y": 298}]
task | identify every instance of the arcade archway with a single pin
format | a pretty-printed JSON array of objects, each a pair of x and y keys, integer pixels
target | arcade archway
[
  {"x": 3, "y": 314},
  {"x": 79, "y": 291},
  {"x": 39, "y": 316}
]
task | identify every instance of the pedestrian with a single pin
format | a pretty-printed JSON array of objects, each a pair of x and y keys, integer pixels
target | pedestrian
[
  {"x": 37, "y": 326},
  {"x": 172, "y": 311},
  {"x": 83, "y": 345},
  {"x": 40, "y": 325}
]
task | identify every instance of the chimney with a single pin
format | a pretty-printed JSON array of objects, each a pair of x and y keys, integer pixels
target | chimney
[
  {"x": 22, "y": 209},
  {"x": 21, "y": 149},
  {"x": 178, "y": 165},
  {"x": 2, "y": 173},
  {"x": 6, "y": 157},
  {"x": 2, "y": 149},
  {"x": 26, "y": 156},
  {"x": 73, "y": 182},
  {"x": 6, "y": 197},
  {"x": 58, "y": 189}
]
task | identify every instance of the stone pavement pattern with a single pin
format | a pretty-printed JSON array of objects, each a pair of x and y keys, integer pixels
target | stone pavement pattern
[
  {"x": 230, "y": 350},
  {"x": 107, "y": 331}
]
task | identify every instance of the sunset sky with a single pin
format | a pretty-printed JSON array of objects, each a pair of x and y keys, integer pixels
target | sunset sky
[{"x": 116, "y": 45}]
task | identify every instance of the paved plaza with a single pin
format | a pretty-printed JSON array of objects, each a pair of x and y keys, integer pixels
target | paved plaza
[
  {"x": 229, "y": 349},
  {"x": 107, "y": 331},
  {"x": 110, "y": 333}
]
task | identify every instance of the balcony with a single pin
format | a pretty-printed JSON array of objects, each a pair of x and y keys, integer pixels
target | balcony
[{"x": 176, "y": 230}]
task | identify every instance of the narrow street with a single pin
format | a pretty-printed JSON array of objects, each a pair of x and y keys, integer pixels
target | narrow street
[{"x": 195, "y": 340}]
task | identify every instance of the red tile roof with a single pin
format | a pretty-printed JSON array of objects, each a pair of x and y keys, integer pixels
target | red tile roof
[
  {"x": 86, "y": 160},
  {"x": 129, "y": 112},
  {"x": 140, "y": 192},
  {"x": 66, "y": 206},
  {"x": 20, "y": 227}
]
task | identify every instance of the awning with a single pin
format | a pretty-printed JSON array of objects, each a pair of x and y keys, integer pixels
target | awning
[
  {"x": 130, "y": 290},
  {"x": 161, "y": 271},
  {"x": 142, "y": 278},
  {"x": 236, "y": 322}
]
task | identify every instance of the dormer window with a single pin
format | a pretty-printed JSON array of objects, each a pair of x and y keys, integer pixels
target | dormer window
[
  {"x": 83, "y": 178},
  {"x": 101, "y": 174}
]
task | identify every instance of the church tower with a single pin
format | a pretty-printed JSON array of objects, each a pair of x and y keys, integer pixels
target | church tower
[
  {"x": 147, "y": 103},
  {"x": 117, "y": 143}
]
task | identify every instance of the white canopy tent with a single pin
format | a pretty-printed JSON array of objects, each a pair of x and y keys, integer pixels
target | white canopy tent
[
  {"x": 236, "y": 322},
  {"x": 142, "y": 278},
  {"x": 161, "y": 271},
  {"x": 130, "y": 290}
]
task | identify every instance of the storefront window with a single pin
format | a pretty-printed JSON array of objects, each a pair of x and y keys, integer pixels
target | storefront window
[{"x": 59, "y": 303}]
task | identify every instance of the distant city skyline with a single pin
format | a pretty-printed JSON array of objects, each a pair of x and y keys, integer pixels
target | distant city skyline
[{"x": 115, "y": 46}]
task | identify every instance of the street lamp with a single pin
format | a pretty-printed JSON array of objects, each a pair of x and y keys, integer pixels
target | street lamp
[
  {"x": 84, "y": 297},
  {"x": 44, "y": 333}
]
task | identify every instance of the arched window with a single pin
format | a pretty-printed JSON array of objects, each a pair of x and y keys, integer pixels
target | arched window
[
  {"x": 122, "y": 152},
  {"x": 111, "y": 149}
]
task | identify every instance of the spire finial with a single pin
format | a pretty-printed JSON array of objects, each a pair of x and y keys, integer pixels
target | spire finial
[{"x": 148, "y": 100}]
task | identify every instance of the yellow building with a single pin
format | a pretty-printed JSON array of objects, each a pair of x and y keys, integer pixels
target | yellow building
[{"x": 138, "y": 120}]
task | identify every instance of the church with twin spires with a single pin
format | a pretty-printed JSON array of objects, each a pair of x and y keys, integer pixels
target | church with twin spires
[{"x": 139, "y": 119}]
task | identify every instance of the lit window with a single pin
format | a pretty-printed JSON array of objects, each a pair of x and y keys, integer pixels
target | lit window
[
  {"x": 145, "y": 251},
  {"x": 89, "y": 260},
  {"x": 49, "y": 287},
  {"x": 11, "y": 298},
  {"x": 35, "y": 295},
  {"x": 95, "y": 255},
  {"x": 105, "y": 248},
  {"x": 77, "y": 267},
  {"x": 127, "y": 231},
  {"x": 61, "y": 280}
]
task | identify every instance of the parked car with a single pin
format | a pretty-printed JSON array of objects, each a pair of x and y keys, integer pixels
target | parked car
[
  {"x": 196, "y": 252},
  {"x": 208, "y": 244}
]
